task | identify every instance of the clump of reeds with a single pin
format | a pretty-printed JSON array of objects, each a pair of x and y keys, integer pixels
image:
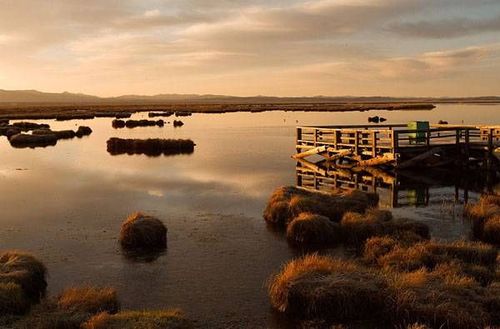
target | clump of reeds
[
  {"x": 83, "y": 131},
  {"x": 32, "y": 141},
  {"x": 9, "y": 131},
  {"x": 89, "y": 299},
  {"x": 441, "y": 298},
  {"x": 358, "y": 227},
  {"x": 143, "y": 232},
  {"x": 118, "y": 123},
  {"x": 288, "y": 202},
  {"x": 485, "y": 216},
  {"x": 178, "y": 123},
  {"x": 161, "y": 319},
  {"x": 27, "y": 126},
  {"x": 22, "y": 282},
  {"x": 472, "y": 259},
  {"x": 323, "y": 287},
  {"x": 312, "y": 230},
  {"x": 70, "y": 309},
  {"x": 150, "y": 147},
  {"x": 160, "y": 114},
  {"x": 137, "y": 123},
  {"x": 182, "y": 114},
  {"x": 13, "y": 300}
]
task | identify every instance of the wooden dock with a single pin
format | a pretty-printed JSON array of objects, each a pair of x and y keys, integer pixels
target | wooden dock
[{"x": 396, "y": 146}]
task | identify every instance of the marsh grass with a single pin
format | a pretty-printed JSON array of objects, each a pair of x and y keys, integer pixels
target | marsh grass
[
  {"x": 32, "y": 141},
  {"x": 13, "y": 299},
  {"x": 26, "y": 271},
  {"x": 143, "y": 232},
  {"x": 288, "y": 202},
  {"x": 150, "y": 147},
  {"x": 313, "y": 231},
  {"x": 318, "y": 286},
  {"x": 161, "y": 319},
  {"x": 137, "y": 123},
  {"x": 89, "y": 299}
]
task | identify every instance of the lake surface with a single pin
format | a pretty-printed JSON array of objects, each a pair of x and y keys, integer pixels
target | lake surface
[{"x": 65, "y": 204}]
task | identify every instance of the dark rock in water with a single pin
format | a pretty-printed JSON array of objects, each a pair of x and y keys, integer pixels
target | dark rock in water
[
  {"x": 27, "y": 126},
  {"x": 442, "y": 122},
  {"x": 150, "y": 147},
  {"x": 178, "y": 123},
  {"x": 32, "y": 141},
  {"x": 83, "y": 131}
]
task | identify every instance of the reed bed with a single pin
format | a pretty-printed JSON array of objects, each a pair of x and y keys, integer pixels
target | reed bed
[
  {"x": 316, "y": 286},
  {"x": 160, "y": 114},
  {"x": 150, "y": 147},
  {"x": 485, "y": 217},
  {"x": 288, "y": 202},
  {"x": 312, "y": 230},
  {"x": 89, "y": 299},
  {"x": 137, "y": 123},
  {"x": 178, "y": 123}
]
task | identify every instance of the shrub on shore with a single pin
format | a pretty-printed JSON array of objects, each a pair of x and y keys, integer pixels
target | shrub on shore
[
  {"x": 150, "y": 147},
  {"x": 162, "y": 319},
  {"x": 312, "y": 230},
  {"x": 288, "y": 202},
  {"x": 143, "y": 232},
  {"x": 323, "y": 287}
]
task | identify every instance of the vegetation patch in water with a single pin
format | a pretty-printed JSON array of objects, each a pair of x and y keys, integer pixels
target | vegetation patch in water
[
  {"x": 143, "y": 232},
  {"x": 150, "y": 147}
]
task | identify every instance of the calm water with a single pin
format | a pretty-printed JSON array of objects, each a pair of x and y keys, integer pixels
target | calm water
[{"x": 66, "y": 203}]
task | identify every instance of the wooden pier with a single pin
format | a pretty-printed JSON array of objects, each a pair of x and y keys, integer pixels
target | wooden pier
[{"x": 396, "y": 146}]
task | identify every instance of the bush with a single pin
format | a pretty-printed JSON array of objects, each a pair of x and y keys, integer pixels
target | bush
[
  {"x": 323, "y": 287},
  {"x": 143, "y": 232},
  {"x": 312, "y": 230},
  {"x": 164, "y": 319}
]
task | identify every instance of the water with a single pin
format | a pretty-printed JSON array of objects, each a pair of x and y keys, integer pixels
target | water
[{"x": 66, "y": 203}]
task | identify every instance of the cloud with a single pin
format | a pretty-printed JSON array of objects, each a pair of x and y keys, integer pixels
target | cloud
[{"x": 446, "y": 28}]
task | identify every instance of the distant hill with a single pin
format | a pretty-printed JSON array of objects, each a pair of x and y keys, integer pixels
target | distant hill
[{"x": 34, "y": 96}]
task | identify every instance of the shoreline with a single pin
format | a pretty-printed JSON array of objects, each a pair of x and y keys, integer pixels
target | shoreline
[{"x": 89, "y": 111}]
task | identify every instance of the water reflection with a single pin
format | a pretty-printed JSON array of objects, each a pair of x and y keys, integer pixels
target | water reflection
[{"x": 396, "y": 189}]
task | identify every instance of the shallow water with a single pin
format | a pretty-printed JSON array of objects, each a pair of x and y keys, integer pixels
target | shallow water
[{"x": 66, "y": 203}]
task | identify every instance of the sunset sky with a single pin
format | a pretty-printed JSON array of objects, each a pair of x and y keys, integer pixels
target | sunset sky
[{"x": 253, "y": 47}]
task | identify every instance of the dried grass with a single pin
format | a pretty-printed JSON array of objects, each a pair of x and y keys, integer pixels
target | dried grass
[
  {"x": 163, "y": 319},
  {"x": 143, "y": 232},
  {"x": 312, "y": 230}
]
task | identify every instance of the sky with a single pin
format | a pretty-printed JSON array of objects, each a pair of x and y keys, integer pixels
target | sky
[{"x": 252, "y": 47}]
